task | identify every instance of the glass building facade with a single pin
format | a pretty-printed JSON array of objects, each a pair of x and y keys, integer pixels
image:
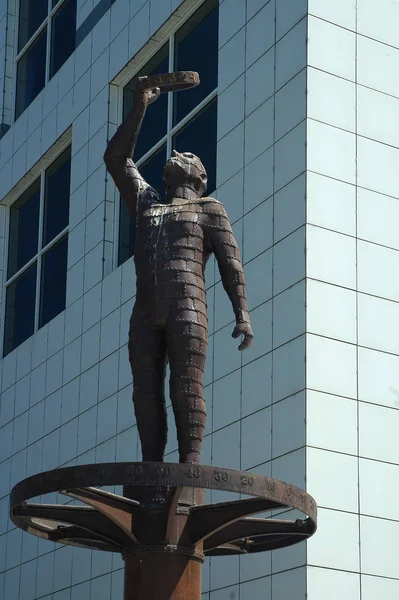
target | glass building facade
[{"x": 296, "y": 120}]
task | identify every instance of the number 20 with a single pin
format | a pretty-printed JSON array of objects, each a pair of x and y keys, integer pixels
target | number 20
[{"x": 245, "y": 480}]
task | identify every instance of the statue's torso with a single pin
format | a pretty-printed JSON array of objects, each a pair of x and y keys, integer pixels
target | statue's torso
[{"x": 171, "y": 251}]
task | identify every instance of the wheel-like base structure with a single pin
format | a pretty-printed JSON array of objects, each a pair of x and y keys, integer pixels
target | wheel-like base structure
[{"x": 161, "y": 525}]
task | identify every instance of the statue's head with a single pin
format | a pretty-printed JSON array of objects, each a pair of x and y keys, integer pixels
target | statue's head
[{"x": 185, "y": 169}]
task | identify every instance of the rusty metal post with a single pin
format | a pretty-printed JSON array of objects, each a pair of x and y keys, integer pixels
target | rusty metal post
[
  {"x": 165, "y": 564},
  {"x": 162, "y": 576}
]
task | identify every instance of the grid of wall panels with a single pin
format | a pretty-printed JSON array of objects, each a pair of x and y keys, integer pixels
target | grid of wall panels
[
  {"x": 352, "y": 297},
  {"x": 258, "y": 410},
  {"x": 315, "y": 400},
  {"x": 67, "y": 390}
]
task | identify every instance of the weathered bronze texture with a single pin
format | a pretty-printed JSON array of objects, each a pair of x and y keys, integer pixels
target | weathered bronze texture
[
  {"x": 163, "y": 545},
  {"x": 162, "y": 576},
  {"x": 169, "y": 82},
  {"x": 175, "y": 237}
]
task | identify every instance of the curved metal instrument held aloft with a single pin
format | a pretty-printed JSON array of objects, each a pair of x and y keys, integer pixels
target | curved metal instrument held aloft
[{"x": 169, "y": 82}]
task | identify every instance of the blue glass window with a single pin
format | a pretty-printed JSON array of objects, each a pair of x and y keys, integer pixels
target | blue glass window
[
  {"x": 152, "y": 170},
  {"x": 56, "y": 196},
  {"x": 24, "y": 227},
  {"x": 33, "y": 70},
  {"x": 31, "y": 15},
  {"x": 63, "y": 35},
  {"x": 196, "y": 49},
  {"x": 31, "y": 73},
  {"x": 199, "y": 137},
  {"x": 20, "y": 309},
  {"x": 155, "y": 123},
  {"x": 53, "y": 281},
  {"x": 37, "y": 265}
]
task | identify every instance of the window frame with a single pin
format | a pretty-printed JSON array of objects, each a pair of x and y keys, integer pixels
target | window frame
[
  {"x": 171, "y": 130},
  {"x": 37, "y": 172},
  {"x": 47, "y": 23}
]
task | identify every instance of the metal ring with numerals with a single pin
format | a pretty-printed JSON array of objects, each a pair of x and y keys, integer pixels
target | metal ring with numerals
[{"x": 116, "y": 523}]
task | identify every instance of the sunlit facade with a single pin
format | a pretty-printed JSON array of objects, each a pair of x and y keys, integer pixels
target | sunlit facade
[{"x": 296, "y": 121}]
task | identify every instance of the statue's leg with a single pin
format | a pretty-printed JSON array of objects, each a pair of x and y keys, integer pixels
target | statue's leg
[
  {"x": 186, "y": 347},
  {"x": 147, "y": 355}
]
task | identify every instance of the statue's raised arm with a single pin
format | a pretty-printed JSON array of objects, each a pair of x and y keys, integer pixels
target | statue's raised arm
[{"x": 119, "y": 152}]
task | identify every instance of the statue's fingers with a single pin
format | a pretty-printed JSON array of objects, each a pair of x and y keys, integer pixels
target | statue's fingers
[
  {"x": 153, "y": 94},
  {"x": 247, "y": 341}
]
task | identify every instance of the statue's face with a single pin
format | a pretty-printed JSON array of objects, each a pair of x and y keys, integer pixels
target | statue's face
[{"x": 185, "y": 168}]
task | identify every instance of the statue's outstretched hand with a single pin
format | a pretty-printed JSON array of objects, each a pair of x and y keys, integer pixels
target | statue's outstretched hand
[{"x": 244, "y": 329}]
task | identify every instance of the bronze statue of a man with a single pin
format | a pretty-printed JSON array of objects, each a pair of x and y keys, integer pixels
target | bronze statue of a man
[{"x": 174, "y": 239}]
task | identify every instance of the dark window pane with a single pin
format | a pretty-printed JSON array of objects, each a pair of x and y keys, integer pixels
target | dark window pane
[
  {"x": 31, "y": 72},
  {"x": 156, "y": 118},
  {"x": 31, "y": 15},
  {"x": 53, "y": 285},
  {"x": 63, "y": 34},
  {"x": 20, "y": 309},
  {"x": 196, "y": 49},
  {"x": 127, "y": 233},
  {"x": 24, "y": 228},
  {"x": 199, "y": 137},
  {"x": 152, "y": 171},
  {"x": 56, "y": 196}
]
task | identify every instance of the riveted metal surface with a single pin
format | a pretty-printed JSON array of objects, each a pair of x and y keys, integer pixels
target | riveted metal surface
[
  {"x": 168, "y": 475},
  {"x": 125, "y": 524},
  {"x": 170, "y": 82},
  {"x": 176, "y": 233}
]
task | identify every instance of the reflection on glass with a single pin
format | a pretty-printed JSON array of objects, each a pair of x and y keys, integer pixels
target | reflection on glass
[
  {"x": 199, "y": 137},
  {"x": 196, "y": 49},
  {"x": 31, "y": 72},
  {"x": 31, "y": 15},
  {"x": 152, "y": 171},
  {"x": 24, "y": 227},
  {"x": 63, "y": 33},
  {"x": 53, "y": 283},
  {"x": 20, "y": 309},
  {"x": 156, "y": 119},
  {"x": 56, "y": 196}
]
